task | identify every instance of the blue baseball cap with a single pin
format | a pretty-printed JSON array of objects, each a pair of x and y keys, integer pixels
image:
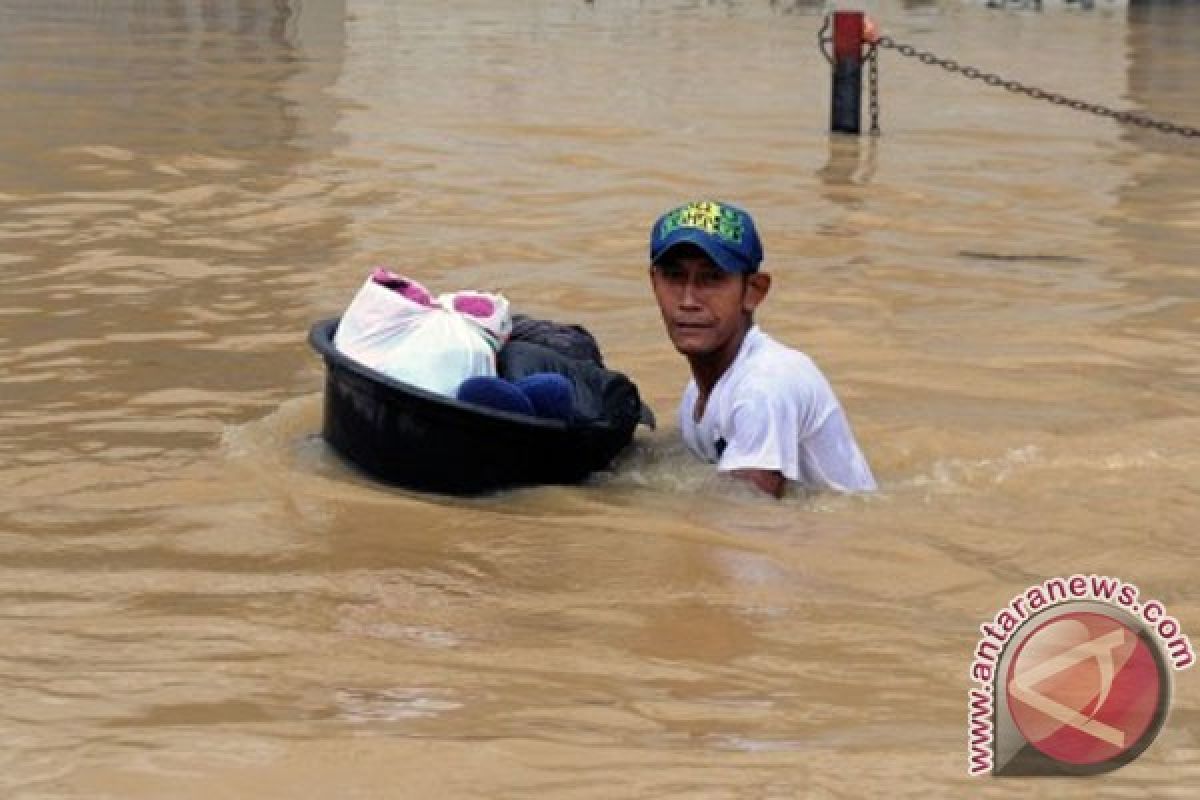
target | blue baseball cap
[{"x": 725, "y": 233}]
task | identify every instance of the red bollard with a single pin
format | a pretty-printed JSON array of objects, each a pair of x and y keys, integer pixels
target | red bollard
[{"x": 846, "y": 112}]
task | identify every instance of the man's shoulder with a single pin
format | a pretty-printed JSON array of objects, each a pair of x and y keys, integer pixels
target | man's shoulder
[
  {"x": 770, "y": 365},
  {"x": 780, "y": 384}
]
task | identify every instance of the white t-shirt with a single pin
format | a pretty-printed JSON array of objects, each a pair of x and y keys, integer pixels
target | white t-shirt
[{"x": 774, "y": 410}]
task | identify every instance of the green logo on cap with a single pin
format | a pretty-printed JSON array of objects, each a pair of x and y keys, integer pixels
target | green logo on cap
[{"x": 712, "y": 218}]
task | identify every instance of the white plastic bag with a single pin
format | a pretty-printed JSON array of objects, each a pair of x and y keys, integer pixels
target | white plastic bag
[
  {"x": 429, "y": 346},
  {"x": 488, "y": 311}
]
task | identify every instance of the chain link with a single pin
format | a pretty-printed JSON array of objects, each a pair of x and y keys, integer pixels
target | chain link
[{"x": 991, "y": 79}]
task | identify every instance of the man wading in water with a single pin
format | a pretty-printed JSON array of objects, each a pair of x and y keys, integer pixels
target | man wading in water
[{"x": 754, "y": 407}]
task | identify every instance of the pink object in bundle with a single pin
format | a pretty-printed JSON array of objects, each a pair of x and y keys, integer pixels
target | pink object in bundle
[
  {"x": 475, "y": 305},
  {"x": 403, "y": 286}
]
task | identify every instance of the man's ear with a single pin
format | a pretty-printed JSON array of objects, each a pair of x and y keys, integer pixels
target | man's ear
[{"x": 757, "y": 286}]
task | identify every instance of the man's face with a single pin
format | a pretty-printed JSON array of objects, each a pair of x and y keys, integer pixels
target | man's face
[{"x": 703, "y": 307}]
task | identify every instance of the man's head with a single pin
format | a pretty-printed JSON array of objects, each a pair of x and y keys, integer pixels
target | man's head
[
  {"x": 704, "y": 269},
  {"x": 725, "y": 233}
]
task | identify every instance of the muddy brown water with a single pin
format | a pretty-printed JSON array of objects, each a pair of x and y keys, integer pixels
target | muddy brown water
[{"x": 200, "y": 600}]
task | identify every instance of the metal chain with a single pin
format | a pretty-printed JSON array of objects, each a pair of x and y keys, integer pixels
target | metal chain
[
  {"x": 873, "y": 87},
  {"x": 825, "y": 39},
  {"x": 991, "y": 79}
]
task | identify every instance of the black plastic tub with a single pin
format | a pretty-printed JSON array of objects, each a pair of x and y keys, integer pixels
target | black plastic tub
[{"x": 410, "y": 437}]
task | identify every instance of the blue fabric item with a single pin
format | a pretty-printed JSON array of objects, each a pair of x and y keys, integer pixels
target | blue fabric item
[
  {"x": 494, "y": 393},
  {"x": 551, "y": 394},
  {"x": 726, "y": 233},
  {"x": 601, "y": 396}
]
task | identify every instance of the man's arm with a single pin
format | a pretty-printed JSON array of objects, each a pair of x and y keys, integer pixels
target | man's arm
[
  {"x": 763, "y": 439},
  {"x": 770, "y": 481}
]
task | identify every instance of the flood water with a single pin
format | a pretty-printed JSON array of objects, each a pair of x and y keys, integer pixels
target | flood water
[{"x": 200, "y": 600}]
